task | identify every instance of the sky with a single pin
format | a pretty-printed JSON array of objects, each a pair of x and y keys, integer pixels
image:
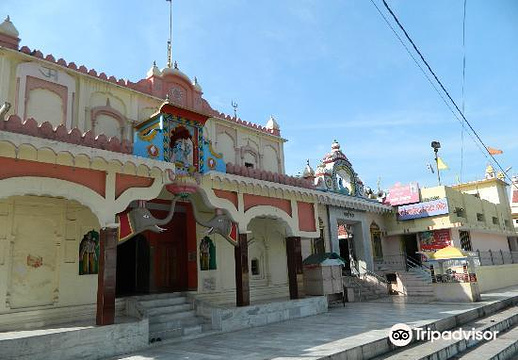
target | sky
[{"x": 325, "y": 69}]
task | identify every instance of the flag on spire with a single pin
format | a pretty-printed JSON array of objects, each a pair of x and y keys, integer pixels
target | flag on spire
[
  {"x": 494, "y": 151},
  {"x": 441, "y": 165}
]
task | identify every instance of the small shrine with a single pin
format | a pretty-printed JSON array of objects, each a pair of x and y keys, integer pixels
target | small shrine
[
  {"x": 335, "y": 173},
  {"x": 176, "y": 135}
]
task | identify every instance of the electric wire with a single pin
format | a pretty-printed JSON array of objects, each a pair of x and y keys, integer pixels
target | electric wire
[
  {"x": 486, "y": 152},
  {"x": 426, "y": 75}
]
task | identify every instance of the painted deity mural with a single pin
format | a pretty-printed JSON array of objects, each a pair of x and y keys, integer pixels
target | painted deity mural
[{"x": 89, "y": 253}]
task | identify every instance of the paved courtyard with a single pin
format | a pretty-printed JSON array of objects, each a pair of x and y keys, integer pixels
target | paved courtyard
[{"x": 316, "y": 336}]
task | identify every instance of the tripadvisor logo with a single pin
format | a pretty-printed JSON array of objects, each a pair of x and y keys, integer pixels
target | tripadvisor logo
[{"x": 402, "y": 334}]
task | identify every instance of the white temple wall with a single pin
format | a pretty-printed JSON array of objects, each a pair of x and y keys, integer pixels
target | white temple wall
[{"x": 39, "y": 253}]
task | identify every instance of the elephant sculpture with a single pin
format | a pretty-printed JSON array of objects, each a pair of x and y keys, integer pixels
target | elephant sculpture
[
  {"x": 139, "y": 220},
  {"x": 218, "y": 224}
]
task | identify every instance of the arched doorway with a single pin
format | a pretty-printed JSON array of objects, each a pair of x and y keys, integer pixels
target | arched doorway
[
  {"x": 133, "y": 273},
  {"x": 162, "y": 262},
  {"x": 267, "y": 259}
]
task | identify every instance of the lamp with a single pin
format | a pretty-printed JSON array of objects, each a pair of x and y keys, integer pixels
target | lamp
[{"x": 436, "y": 146}]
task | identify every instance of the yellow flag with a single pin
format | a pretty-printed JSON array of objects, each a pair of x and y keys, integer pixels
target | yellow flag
[{"x": 441, "y": 165}]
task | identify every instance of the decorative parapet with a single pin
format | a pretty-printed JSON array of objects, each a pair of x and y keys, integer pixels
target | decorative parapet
[
  {"x": 269, "y": 176},
  {"x": 220, "y": 115},
  {"x": 46, "y": 131},
  {"x": 144, "y": 86}
]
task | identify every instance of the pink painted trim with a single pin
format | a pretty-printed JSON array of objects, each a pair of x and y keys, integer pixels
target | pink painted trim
[
  {"x": 146, "y": 86},
  {"x": 30, "y": 127}
]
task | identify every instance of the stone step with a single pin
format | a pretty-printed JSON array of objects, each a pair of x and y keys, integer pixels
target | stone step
[
  {"x": 170, "y": 301},
  {"x": 168, "y": 317},
  {"x": 173, "y": 333},
  {"x": 418, "y": 287},
  {"x": 176, "y": 324},
  {"x": 168, "y": 309},
  {"x": 419, "y": 293},
  {"x": 157, "y": 296},
  {"x": 446, "y": 349},
  {"x": 503, "y": 347}
]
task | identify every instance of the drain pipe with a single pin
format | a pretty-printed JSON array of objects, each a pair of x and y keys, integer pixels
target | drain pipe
[{"x": 4, "y": 109}]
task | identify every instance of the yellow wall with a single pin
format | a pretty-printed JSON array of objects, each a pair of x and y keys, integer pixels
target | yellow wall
[
  {"x": 52, "y": 229},
  {"x": 497, "y": 276},
  {"x": 266, "y": 242}
]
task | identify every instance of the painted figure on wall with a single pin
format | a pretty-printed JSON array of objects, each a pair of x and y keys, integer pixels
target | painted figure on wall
[
  {"x": 89, "y": 253},
  {"x": 182, "y": 148},
  {"x": 182, "y": 151},
  {"x": 207, "y": 254}
]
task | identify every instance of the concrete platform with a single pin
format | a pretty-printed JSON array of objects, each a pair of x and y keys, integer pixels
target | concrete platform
[
  {"x": 356, "y": 331},
  {"x": 78, "y": 340}
]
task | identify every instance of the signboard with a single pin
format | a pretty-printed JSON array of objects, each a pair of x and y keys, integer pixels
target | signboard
[
  {"x": 422, "y": 210},
  {"x": 434, "y": 240},
  {"x": 403, "y": 194}
]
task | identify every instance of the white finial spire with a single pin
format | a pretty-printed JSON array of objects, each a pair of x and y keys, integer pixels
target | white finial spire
[
  {"x": 272, "y": 123},
  {"x": 170, "y": 41}
]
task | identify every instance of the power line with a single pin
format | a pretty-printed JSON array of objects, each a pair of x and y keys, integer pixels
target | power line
[
  {"x": 443, "y": 88},
  {"x": 448, "y": 105}
]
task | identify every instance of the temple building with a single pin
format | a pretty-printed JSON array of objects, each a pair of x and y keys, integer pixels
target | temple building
[
  {"x": 139, "y": 199},
  {"x": 111, "y": 189}
]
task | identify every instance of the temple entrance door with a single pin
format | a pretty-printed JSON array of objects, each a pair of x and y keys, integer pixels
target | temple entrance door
[
  {"x": 410, "y": 243},
  {"x": 133, "y": 266},
  {"x": 344, "y": 254},
  {"x": 170, "y": 256}
]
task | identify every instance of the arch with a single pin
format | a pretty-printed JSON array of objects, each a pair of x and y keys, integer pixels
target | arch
[
  {"x": 270, "y": 212},
  {"x": 226, "y": 145},
  {"x": 30, "y": 185},
  {"x": 270, "y": 159},
  {"x": 257, "y": 251},
  {"x": 103, "y": 120},
  {"x": 250, "y": 155},
  {"x": 33, "y": 75},
  {"x": 45, "y": 104}
]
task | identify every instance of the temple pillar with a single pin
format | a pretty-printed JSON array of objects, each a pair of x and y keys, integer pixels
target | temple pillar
[
  {"x": 242, "y": 278},
  {"x": 294, "y": 259},
  {"x": 107, "y": 276}
]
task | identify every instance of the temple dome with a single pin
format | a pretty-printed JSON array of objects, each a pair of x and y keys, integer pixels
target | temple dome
[
  {"x": 8, "y": 28},
  {"x": 174, "y": 71},
  {"x": 308, "y": 171},
  {"x": 154, "y": 71}
]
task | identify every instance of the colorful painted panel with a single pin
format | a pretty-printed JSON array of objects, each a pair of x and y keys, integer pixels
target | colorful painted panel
[
  {"x": 149, "y": 138},
  {"x": 207, "y": 254},
  {"x": 424, "y": 209},
  {"x": 89, "y": 253},
  {"x": 212, "y": 161},
  {"x": 434, "y": 240}
]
